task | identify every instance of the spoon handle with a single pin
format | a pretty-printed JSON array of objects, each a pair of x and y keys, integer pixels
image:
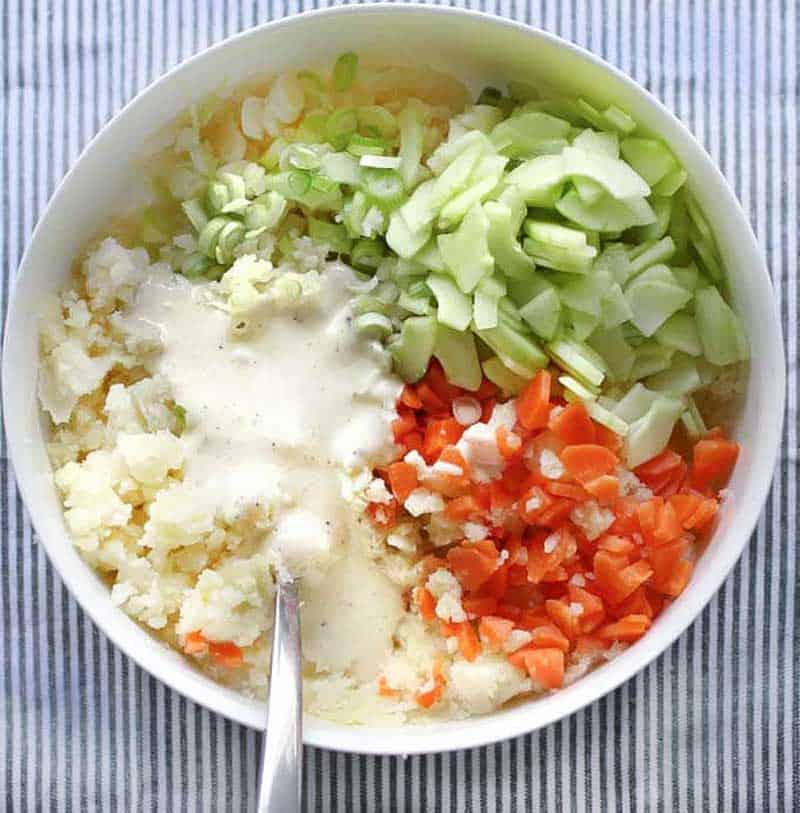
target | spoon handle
[{"x": 282, "y": 757}]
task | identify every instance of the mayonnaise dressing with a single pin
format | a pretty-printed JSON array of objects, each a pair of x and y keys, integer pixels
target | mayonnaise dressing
[{"x": 294, "y": 399}]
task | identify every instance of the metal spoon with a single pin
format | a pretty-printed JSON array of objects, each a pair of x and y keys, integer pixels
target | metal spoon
[{"x": 282, "y": 758}]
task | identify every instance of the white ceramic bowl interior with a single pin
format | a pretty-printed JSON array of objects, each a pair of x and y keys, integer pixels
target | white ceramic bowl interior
[{"x": 482, "y": 50}]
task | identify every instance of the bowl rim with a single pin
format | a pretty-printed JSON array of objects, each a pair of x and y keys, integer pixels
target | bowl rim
[{"x": 476, "y": 731}]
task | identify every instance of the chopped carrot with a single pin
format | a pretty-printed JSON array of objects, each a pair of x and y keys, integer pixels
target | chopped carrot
[
  {"x": 409, "y": 397},
  {"x": 497, "y": 584},
  {"x": 226, "y": 654},
  {"x": 437, "y": 381},
  {"x": 439, "y": 434},
  {"x": 545, "y": 666},
  {"x": 620, "y": 545},
  {"x": 194, "y": 643},
  {"x": 617, "y": 583},
  {"x": 533, "y": 403},
  {"x": 402, "y": 479},
  {"x": 532, "y": 502},
  {"x": 495, "y": 630},
  {"x": 561, "y": 614},
  {"x": 468, "y": 643},
  {"x": 654, "y": 471},
  {"x": 605, "y": 489},
  {"x": 385, "y": 690},
  {"x": 412, "y": 441},
  {"x": 487, "y": 409},
  {"x": 605, "y": 437},
  {"x": 479, "y": 606},
  {"x": 555, "y": 514},
  {"x": 685, "y": 505},
  {"x": 455, "y": 480},
  {"x": 431, "y": 402},
  {"x": 462, "y": 508},
  {"x": 588, "y": 461},
  {"x": 430, "y": 696},
  {"x": 637, "y": 603},
  {"x": 404, "y": 423},
  {"x": 668, "y": 526},
  {"x": 472, "y": 565},
  {"x": 589, "y": 645},
  {"x": 568, "y": 491},
  {"x": 508, "y": 443},
  {"x": 426, "y": 603},
  {"x": 573, "y": 425},
  {"x": 673, "y": 583},
  {"x": 383, "y": 514},
  {"x": 713, "y": 461},
  {"x": 487, "y": 389},
  {"x": 593, "y": 609},
  {"x": 630, "y": 628},
  {"x": 702, "y": 515},
  {"x": 430, "y": 564},
  {"x": 549, "y": 635},
  {"x": 532, "y": 617}
]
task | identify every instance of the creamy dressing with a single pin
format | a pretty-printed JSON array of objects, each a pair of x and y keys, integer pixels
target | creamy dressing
[{"x": 287, "y": 399}]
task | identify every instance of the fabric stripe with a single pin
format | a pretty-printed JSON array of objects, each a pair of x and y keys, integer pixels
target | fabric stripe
[{"x": 713, "y": 724}]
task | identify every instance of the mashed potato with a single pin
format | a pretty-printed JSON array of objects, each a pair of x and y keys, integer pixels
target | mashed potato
[{"x": 210, "y": 437}]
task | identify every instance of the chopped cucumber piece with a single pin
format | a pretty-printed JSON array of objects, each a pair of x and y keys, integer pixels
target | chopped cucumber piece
[
  {"x": 692, "y": 419},
  {"x": 681, "y": 378},
  {"x": 597, "y": 412},
  {"x": 520, "y": 136},
  {"x": 430, "y": 257},
  {"x": 194, "y": 211},
  {"x": 412, "y": 129},
  {"x": 466, "y": 251},
  {"x": 384, "y": 186},
  {"x": 503, "y": 244},
  {"x": 577, "y": 390},
  {"x": 518, "y": 352},
  {"x": 588, "y": 191},
  {"x": 454, "y": 306},
  {"x": 413, "y": 348},
  {"x": 653, "y": 302},
  {"x": 521, "y": 291},
  {"x": 458, "y": 356},
  {"x": 651, "y": 358},
  {"x": 688, "y": 277},
  {"x": 655, "y": 230},
  {"x": 418, "y": 304},
  {"x": 344, "y": 71},
  {"x": 373, "y": 325},
  {"x": 333, "y": 235},
  {"x": 615, "y": 309},
  {"x": 671, "y": 182},
  {"x": 635, "y": 403},
  {"x": 578, "y": 359},
  {"x": 487, "y": 299},
  {"x": 650, "y": 158},
  {"x": 586, "y": 293},
  {"x": 615, "y": 259},
  {"x": 603, "y": 143},
  {"x": 706, "y": 252},
  {"x": 650, "y": 434},
  {"x": 605, "y": 214},
  {"x": 542, "y": 313},
  {"x": 510, "y": 383},
  {"x": 619, "y": 119},
  {"x": 404, "y": 242},
  {"x": 340, "y": 167},
  {"x": 647, "y": 255},
  {"x": 680, "y": 333},
  {"x": 721, "y": 334},
  {"x": 618, "y": 355},
  {"x": 574, "y": 261}
]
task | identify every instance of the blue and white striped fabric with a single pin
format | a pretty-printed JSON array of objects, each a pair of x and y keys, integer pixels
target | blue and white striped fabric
[{"x": 713, "y": 724}]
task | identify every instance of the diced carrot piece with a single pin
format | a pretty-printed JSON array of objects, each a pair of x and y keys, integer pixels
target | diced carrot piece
[
  {"x": 664, "y": 558},
  {"x": 500, "y": 498},
  {"x": 533, "y": 403},
  {"x": 479, "y": 606},
  {"x": 672, "y": 584},
  {"x": 452, "y": 456},
  {"x": 454, "y": 482},
  {"x": 589, "y": 645},
  {"x": 448, "y": 629},
  {"x": 593, "y": 608},
  {"x": 426, "y": 604},
  {"x": 471, "y": 565},
  {"x": 437, "y": 381},
  {"x": 402, "y": 479},
  {"x": 487, "y": 409},
  {"x": 517, "y": 575},
  {"x": 518, "y": 659},
  {"x": 462, "y": 508},
  {"x": 385, "y": 690},
  {"x": 497, "y": 584},
  {"x": 637, "y": 603},
  {"x": 404, "y": 423},
  {"x": 430, "y": 564},
  {"x": 495, "y": 630},
  {"x": 627, "y": 521},
  {"x": 702, "y": 515},
  {"x": 605, "y": 489},
  {"x": 383, "y": 514},
  {"x": 620, "y": 545},
  {"x": 685, "y": 505},
  {"x": 555, "y": 514},
  {"x": 509, "y": 443},
  {"x": 409, "y": 397},
  {"x": 412, "y": 441},
  {"x": 653, "y": 470},
  {"x": 431, "y": 402},
  {"x": 429, "y": 697},
  {"x": 668, "y": 526},
  {"x": 618, "y": 583},
  {"x": 509, "y": 611},
  {"x": 549, "y": 635},
  {"x": 629, "y": 628},
  {"x": 563, "y": 617},
  {"x": 588, "y": 461},
  {"x": 532, "y": 502},
  {"x": 573, "y": 425},
  {"x": 226, "y": 654},
  {"x": 533, "y": 617},
  {"x": 194, "y": 642},
  {"x": 713, "y": 461},
  {"x": 546, "y": 667},
  {"x": 605, "y": 437},
  {"x": 569, "y": 491},
  {"x": 439, "y": 434},
  {"x": 647, "y": 513},
  {"x": 468, "y": 643}
]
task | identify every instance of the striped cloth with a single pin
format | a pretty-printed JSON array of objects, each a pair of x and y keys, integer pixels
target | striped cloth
[{"x": 712, "y": 724}]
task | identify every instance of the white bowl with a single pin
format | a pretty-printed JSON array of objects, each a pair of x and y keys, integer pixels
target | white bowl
[{"x": 482, "y": 50}]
